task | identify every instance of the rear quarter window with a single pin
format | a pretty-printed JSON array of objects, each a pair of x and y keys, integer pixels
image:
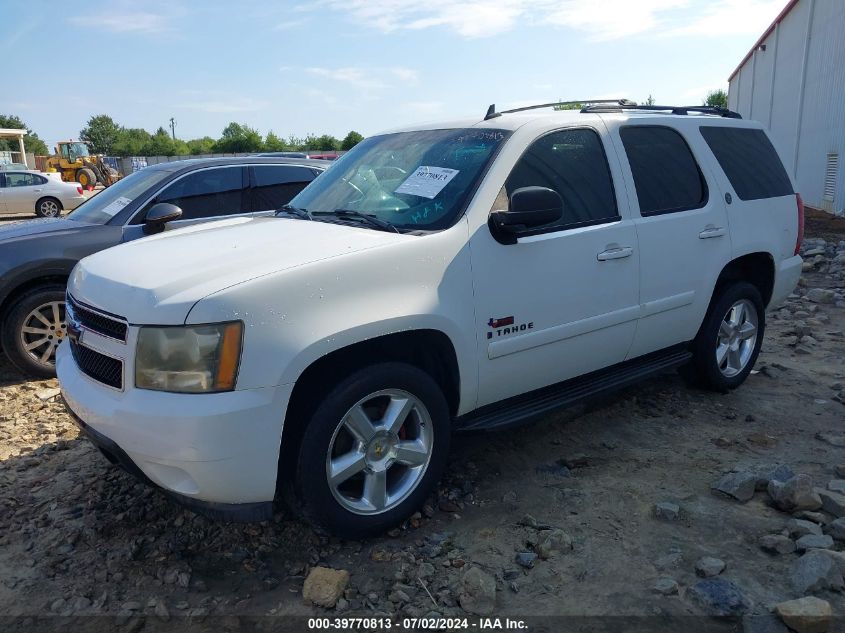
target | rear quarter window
[{"x": 749, "y": 160}]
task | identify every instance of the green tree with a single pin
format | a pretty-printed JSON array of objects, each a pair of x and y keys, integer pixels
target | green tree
[
  {"x": 160, "y": 144},
  {"x": 568, "y": 106},
  {"x": 296, "y": 143},
  {"x": 650, "y": 100},
  {"x": 102, "y": 132},
  {"x": 718, "y": 98},
  {"x": 238, "y": 137},
  {"x": 131, "y": 142},
  {"x": 31, "y": 141},
  {"x": 272, "y": 143},
  {"x": 351, "y": 140},
  {"x": 204, "y": 145},
  {"x": 326, "y": 142}
]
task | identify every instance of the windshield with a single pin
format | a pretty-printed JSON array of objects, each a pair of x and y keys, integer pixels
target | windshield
[
  {"x": 414, "y": 180},
  {"x": 76, "y": 150},
  {"x": 110, "y": 201}
]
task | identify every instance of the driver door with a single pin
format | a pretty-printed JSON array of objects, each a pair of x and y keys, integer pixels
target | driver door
[{"x": 563, "y": 300}]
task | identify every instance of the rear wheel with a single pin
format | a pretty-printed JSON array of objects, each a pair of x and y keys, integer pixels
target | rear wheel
[
  {"x": 729, "y": 341},
  {"x": 33, "y": 328},
  {"x": 48, "y": 208},
  {"x": 372, "y": 450},
  {"x": 86, "y": 177}
]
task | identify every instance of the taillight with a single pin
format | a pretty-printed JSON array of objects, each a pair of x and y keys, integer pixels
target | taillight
[
  {"x": 79, "y": 190},
  {"x": 800, "y": 238}
]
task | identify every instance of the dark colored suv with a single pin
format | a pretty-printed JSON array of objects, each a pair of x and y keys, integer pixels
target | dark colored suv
[{"x": 36, "y": 256}]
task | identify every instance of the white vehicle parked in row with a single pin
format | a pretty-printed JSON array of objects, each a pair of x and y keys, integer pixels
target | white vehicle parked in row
[
  {"x": 464, "y": 275},
  {"x": 29, "y": 191}
]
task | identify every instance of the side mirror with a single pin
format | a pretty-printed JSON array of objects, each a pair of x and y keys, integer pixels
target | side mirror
[
  {"x": 530, "y": 207},
  {"x": 160, "y": 214}
]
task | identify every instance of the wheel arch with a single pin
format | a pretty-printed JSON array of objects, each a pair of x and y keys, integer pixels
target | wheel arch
[
  {"x": 48, "y": 197},
  {"x": 430, "y": 350},
  {"x": 19, "y": 286},
  {"x": 756, "y": 268}
]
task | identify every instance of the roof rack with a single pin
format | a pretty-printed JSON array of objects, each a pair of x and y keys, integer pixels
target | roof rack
[
  {"x": 492, "y": 114},
  {"x": 682, "y": 110}
]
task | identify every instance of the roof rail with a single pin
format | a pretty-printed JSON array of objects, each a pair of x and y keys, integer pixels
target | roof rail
[
  {"x": 682, "y": 110},
  {"x": 492, "y": 114}
]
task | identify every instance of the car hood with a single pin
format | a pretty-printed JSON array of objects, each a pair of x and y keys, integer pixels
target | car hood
[
  {"x": 24, "y": 229},
  {"x": 157, "y": 280}
]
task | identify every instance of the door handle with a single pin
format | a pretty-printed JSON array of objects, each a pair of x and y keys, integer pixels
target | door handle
[
  {"x": 37, "y": 190},
  {"x": 615, "y": 253},
  {"x": 712, "y": 231}
]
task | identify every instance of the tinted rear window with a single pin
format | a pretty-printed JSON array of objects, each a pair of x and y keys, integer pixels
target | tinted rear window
[
  {"x": 749, "y": 161},
  {"x": 665, "y": 173}
]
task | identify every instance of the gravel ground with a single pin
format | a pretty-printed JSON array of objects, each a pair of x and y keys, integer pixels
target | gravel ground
[{"x": 601, "y": 510}]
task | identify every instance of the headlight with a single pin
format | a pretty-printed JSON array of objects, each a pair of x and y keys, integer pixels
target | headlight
[{"x": 189, "y": 359}]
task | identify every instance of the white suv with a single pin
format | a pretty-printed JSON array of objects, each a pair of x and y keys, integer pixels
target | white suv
[{"x": 464, "y": 275}]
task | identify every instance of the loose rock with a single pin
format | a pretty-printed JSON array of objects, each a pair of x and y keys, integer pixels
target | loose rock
[
  {"x": 526, "y": 559},
  {"x": 777, "y": 544},
  {"x": 832, "y": 502},
  {"x": 718, "y": 597},
  {"x": 553, "y": 542},
  {"x": 836, "y": 529},
  {"x": 665, "y": 586},
  {"x": 739, "y": 485},
  {"x": 795, "y": 493},
  {"x": 478, "y": 592},
  {"x": 324, "y": 586},
  {"x": 707, "y": 566},
  {"x": 815, "y": 571},
  {"x": 805, "y": 615},
  {"x": 667, "y": 511},
  {"x": 800, "y": 527},
  {"x": 814, "y": 541}
]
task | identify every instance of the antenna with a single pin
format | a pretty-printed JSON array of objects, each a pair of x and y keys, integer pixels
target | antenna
[{"x": 491, "y": 112}]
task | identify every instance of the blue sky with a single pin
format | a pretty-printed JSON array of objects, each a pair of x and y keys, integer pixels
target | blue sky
[{"x": 335, "y": 65}]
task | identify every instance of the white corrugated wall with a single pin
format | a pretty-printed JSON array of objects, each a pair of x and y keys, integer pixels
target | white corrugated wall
[{"x": 794, "y": 83}]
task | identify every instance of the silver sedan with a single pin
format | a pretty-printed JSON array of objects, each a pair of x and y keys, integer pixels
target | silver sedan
[{"x": 30, "y": 192}]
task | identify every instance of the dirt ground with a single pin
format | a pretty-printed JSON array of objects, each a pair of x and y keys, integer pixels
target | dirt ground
[{"x": 80, "y": 537}]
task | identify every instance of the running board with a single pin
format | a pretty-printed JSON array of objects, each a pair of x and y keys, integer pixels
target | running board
[{"x": 541, "y": 402}]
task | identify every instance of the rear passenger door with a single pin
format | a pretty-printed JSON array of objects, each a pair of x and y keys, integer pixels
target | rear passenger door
[
  {"x": 682, "y": 230},
  {"x": 273, "y": 186}
]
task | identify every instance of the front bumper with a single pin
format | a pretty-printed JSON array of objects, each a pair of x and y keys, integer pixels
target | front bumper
[{"x": 217, "y": 453}]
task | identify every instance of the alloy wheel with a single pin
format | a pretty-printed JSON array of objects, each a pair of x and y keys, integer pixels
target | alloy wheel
[
  {"x": 379, "y": 451},
  {"x": 737, "y": 338},
  {"x": 49, "y": 209},
  {"x": 42, "y": 331}
]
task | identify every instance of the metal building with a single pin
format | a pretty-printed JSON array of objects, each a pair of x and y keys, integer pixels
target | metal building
[{"x": 793, "y": 81}]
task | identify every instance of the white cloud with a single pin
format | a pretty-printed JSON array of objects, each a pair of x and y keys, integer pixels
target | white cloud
[
  {"x": 601, "y": 19},
  {"x": 731, "y": 17},
  {"x": 219, "y": 103},
  {"x": 367, "y": 78},
  {"x": 287, "y": 25},
  {"x": 128, "y": 22}
]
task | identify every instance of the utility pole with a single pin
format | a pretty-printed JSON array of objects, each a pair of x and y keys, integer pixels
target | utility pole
[{"x": 173, "y": 128}]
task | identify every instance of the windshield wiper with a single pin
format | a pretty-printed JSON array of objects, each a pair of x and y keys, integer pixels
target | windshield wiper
[
  {"x": 372, "y": 220},
  {"x": 296, "y": 212}
]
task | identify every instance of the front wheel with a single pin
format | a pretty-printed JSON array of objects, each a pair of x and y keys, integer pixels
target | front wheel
[
  {"x": 372, "y": 451},
  {"x": 33, "y": 328},
  {"x": 729, "y": 341}
]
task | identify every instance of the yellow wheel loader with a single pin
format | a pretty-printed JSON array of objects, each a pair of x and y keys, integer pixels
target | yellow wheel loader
[{"x": 76, "y": 164}]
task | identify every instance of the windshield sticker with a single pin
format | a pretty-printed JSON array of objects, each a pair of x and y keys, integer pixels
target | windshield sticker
[
  {"x": 427, "y": 182},
  {"x": 116, "y": 205}
]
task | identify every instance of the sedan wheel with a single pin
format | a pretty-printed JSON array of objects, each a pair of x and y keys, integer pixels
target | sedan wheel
[
  {"x": 48, "y": 208},
  {"x": 379, "y": 452},
  {"x": 43, "y": 329}
]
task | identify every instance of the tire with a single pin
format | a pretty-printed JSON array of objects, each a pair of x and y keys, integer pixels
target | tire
[
  {"x": 22, "y": 314},
  {"x": 86, "y": 177},
  {"x": 350, "y": 509},
  {"x": 740, "y": 307},
  {"x": 48, "y": 208}
]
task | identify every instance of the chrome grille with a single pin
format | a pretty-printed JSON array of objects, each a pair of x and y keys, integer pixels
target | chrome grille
[{"x": 110, "y": 326}]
